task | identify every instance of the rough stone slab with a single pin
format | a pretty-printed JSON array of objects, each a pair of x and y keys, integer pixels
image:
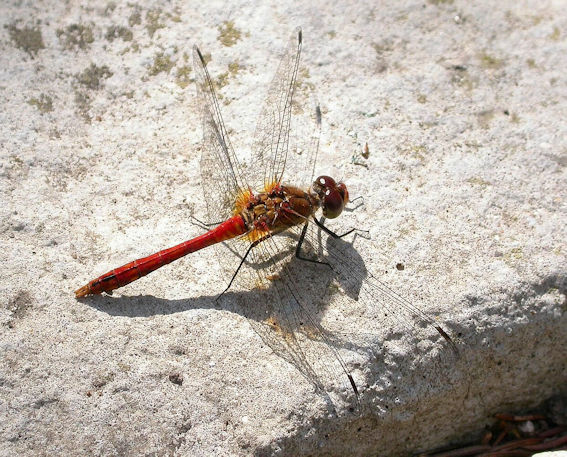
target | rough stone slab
[{"x": 463, "y": 107}]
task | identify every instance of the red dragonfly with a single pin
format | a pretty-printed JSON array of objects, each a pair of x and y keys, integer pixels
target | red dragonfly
[{"x": 262, "y": 230}]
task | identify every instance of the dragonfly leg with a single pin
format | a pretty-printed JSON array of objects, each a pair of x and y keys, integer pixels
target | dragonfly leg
[
  {"x": 252, "y": 245},
  {"x": 237, "y": 270},
  {"x": 298, "y": 248},
  {"x": 322, "y": 226}
]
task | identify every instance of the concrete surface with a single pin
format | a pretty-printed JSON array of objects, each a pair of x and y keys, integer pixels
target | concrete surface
[{"x": 463, "y": 107}]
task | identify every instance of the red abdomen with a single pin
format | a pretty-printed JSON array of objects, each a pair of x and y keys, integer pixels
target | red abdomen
[{"x": 134, "y": 270}]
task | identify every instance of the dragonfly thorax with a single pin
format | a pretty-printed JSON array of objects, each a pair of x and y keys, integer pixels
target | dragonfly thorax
[
  {"x": 279, "y": 208},
  {"x": 332, "y": 195}
]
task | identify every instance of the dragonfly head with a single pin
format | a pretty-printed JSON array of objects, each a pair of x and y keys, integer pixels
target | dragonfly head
[{"x": 333, "y": 195}]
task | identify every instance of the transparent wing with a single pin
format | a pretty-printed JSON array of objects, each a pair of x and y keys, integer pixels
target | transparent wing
[
  {"x": 221, "y": 174},
  {"x": 326, "y": 320},
  {"x": 271, "y": 138},
  {"x": 279, "y": 295},
  {"x": 366, "y": 300},
  {"x": 318, "y": 317},
  {"x": 222, "y": 177}
]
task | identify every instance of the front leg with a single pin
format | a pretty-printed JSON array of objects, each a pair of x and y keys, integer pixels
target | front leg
[{"x": 333, "y": 234}]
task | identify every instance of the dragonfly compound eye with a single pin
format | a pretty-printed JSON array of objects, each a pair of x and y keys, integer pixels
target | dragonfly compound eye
[{"x": 333, "y": 195}]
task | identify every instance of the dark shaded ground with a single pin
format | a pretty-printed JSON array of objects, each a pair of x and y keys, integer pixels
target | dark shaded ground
[{"x": 539, "y": 430}]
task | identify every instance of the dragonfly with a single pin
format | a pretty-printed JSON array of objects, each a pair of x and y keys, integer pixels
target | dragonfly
[{"x": 273, "y": 243}]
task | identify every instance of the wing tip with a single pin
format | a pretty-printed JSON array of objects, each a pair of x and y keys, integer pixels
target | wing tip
[
  {"x": 198, "y": 52},
  {"x": 449, "y": 340},
  {"x": 299, "y": 35},
  {"x": 353, "y": 385}
]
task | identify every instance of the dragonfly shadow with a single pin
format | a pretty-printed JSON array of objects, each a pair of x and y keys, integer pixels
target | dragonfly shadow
[
  {"x": 146, "y": 305},
  {"x": 288, "y": 314}
]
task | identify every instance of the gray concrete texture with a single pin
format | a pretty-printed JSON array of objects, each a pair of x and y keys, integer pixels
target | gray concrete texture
[{"x": 463, "y": 108}]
